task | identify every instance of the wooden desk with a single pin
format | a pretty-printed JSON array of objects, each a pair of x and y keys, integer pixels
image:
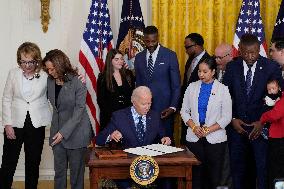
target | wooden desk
[{"x": 171, "y": 165}]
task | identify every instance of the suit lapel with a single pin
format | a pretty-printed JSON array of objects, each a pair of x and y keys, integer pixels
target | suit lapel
[
  {"x": 158, "y": 60},
  {"x": 51, "y": 92},
  {"x": 131, "y": 123},
  {"x": 212, "y": 98},
  {"x": 144, "y": 59},
  {"x": 148, "y": 128},
  {"x": 240, "y": 72},
  {"x": 19, "y": 79},
  {"x": 195, "y": 102},
  {"x": 257, "y": 76}
]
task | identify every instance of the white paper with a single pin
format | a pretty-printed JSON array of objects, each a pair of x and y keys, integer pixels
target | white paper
[{"x": 153, "y": 150}]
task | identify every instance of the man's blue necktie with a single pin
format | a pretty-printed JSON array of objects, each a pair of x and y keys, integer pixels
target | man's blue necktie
[
  {"x": 140, "y": 130},
  {"x": 150, "y": 65},
  {"x": 248, "y": 80}
]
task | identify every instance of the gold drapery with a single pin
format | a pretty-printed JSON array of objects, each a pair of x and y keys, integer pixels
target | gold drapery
[{"x": 215, "y": 20}]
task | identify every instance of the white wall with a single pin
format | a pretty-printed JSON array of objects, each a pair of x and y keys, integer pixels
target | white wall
[{"x": 20, "y": 22}]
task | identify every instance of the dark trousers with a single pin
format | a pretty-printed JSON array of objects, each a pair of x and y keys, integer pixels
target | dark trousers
[
  {"x": 75, "y": 158},
  {"x": 275, "y": 160},
  {"x": 208, "y": 174},
  {"x": 248, "y": 161},
  {"x": 226, "y": 179},
  {"x": 33, "y": 139}
]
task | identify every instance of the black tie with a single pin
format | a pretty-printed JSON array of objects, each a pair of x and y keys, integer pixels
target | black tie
[
  {"x": 248, "y": 80},
  {"x": 150, "y": 65},
  {"x": 140, "y": 130}
]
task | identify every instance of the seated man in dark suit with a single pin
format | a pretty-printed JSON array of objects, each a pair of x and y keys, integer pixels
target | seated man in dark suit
[{"x": 135, "y": 126}]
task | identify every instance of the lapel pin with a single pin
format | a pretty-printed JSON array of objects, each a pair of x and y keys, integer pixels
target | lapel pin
[{"x": 260, "y": 68}]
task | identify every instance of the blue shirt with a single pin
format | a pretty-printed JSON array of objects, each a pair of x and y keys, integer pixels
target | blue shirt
[{"x": 203, "y": 98}]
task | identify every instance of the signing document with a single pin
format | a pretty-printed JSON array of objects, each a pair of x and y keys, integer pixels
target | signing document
[{"x": 153, "y": 150}]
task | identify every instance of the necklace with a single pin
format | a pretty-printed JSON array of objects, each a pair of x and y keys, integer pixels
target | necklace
[{"x": 36, "y": 75}]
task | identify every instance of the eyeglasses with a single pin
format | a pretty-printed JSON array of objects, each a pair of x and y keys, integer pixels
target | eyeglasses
[
  {"x": 221, "y": 57},
  {"x": 28, "y": 63},
  {"x": 188, "y": 47}
]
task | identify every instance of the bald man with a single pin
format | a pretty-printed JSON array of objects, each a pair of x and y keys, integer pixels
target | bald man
[{"x": 224, "y": 55}]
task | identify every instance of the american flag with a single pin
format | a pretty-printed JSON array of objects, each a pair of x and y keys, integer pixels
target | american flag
[
  {"x": 279, "y": 24},
  {"x": 96, "y": 42},
  {"x": 250, "y": 21}
]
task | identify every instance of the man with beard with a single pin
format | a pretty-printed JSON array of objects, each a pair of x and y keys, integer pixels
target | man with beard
[
  {"x": 246, "y": 78},
  {"x": 157, "y": 68},
  {"x": 193, "y": 45}
]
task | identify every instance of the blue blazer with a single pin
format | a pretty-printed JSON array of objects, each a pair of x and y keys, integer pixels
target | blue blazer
[
  {"x": 250, "y": 109},
  {"x": 122, "y": 120},
  {"x": 165, "y": 81}
]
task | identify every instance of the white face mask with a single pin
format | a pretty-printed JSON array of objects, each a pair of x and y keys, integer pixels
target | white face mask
[{"x": 269, "y": 101}]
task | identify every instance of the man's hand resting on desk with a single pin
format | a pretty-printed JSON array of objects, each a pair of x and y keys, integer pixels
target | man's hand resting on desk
[
  {"x": 116, "y": 136},
  {"x": 166, "y": 140}
]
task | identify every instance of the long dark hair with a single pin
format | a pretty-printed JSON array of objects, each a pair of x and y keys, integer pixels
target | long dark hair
[
  {"x": 61, "y": 64},
  {"x": 108, "y": 70}
]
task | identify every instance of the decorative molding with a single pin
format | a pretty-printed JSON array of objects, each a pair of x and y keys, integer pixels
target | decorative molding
[{"x": 45, "y": 16}]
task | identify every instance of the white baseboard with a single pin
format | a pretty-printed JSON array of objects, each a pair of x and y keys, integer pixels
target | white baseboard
[{"x": 47, "y": 174}]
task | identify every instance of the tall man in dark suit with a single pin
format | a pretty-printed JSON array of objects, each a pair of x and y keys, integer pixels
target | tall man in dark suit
[
  {"x": 193, "y": 45},
  {"x": 135, "y": 126},
  {"x": 246, "y": 78},
  {"x": 157, "y": 68}
]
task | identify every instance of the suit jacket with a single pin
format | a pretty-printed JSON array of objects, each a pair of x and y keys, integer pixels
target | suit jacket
[
  {"x": 219, "y": 110},
  {"x": 122, "y": 120},
  {"x": 165, "y": 81},
  {"x": 15, "y": 105},
  {"x": 194, "y": 75},
  {"x": 244, "y": 108},
  {"x": 70, "y": 117}
]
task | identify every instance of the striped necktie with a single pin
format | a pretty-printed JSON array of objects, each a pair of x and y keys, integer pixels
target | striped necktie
[
  {"x": 248, "y": 80},
  {"x": 150, "y": 65}
]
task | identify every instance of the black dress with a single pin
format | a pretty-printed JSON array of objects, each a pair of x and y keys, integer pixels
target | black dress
[{"x": 110, "y": 101}]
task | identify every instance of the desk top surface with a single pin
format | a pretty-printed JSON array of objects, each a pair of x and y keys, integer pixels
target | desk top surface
[{"x": 179, "y": 158}]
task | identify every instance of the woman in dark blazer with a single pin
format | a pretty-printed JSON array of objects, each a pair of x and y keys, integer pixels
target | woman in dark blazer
[
  {"x": 115, "y": 86},
  {"x": 70, "y": 131}
]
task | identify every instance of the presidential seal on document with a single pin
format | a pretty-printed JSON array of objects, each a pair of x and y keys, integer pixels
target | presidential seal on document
[{"x": 144, "y": 170}]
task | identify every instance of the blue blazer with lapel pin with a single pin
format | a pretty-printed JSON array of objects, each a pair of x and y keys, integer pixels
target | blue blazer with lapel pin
[
  {"x": 250, "y": 109},
  {"x": 123, "y": 121},
  {"x": 164, "y": 83}
]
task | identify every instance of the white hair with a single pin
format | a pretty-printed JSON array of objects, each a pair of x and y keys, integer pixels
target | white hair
[{"x": 140, "y": 91}]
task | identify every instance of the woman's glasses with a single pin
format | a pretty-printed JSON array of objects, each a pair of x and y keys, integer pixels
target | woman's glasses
[{"x": 28, "y": 63}]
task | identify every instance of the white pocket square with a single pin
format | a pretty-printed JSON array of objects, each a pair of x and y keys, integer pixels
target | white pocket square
[{"x": 161, "y": 63}]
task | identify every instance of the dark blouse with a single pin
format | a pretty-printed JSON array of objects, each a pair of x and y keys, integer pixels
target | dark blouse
[
  {"x": 57, "y": 91},
  {"x": 109, "y": 101}
]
